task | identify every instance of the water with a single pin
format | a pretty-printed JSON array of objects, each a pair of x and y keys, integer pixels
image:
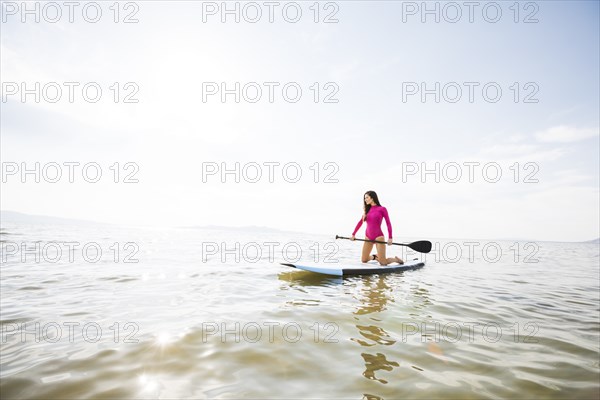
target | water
[{"x": 518, "y": 320}]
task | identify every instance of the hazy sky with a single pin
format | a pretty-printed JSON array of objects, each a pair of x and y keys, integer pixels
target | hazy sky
[{"x": 375, "y": 125}]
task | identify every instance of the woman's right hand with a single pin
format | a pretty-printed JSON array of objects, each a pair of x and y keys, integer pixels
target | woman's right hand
[{"x": 353, "y": 237}]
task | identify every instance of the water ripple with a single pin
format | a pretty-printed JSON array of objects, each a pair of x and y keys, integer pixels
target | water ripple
[{"x": 172, "y": 326}]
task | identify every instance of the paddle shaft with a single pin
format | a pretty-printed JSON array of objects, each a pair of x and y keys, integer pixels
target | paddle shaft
[
  {"x": 422, "y": 246},
  {"x": 372, "y": 241}
]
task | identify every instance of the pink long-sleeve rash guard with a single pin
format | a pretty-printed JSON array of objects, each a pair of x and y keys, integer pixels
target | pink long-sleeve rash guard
[{"x": 374, "y": 217}]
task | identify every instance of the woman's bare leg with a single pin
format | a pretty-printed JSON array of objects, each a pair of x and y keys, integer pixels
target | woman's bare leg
[
  {"x": 366, "y": 251},
  {"x": 381, "y": 253}
]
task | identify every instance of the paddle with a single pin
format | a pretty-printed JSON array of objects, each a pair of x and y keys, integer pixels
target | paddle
[{"x": 422, "y": 246}]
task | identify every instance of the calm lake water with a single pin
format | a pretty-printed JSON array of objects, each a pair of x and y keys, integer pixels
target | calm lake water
[{"x": 483, "y": 319}]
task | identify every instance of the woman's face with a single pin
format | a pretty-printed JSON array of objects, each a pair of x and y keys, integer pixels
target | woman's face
[{"x": 368, "y": 199}]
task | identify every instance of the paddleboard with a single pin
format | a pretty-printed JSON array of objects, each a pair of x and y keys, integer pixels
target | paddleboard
[{"x": 342, "y": 269}]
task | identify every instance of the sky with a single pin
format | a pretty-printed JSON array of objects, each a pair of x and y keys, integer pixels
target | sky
[{"x": 503, "y": 100}]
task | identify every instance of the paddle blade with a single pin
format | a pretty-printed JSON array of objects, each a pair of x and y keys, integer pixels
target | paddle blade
[{"x": 422, "y": 246}]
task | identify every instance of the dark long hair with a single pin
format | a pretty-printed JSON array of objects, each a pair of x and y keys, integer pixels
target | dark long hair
[{"x": 367, "y": 207}]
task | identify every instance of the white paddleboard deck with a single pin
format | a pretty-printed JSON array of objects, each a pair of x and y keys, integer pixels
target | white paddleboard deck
[{"x": 341, "y": 269}]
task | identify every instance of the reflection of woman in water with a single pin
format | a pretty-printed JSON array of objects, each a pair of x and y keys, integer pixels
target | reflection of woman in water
[
  {"x": 374, "y": 295},
  {"x": 374, "y": 213}
]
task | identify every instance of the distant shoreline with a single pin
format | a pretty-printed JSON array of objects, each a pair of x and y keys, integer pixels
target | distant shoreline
[{"x": 14, "y": 216}]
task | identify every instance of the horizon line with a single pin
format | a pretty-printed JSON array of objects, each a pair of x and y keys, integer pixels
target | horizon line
[{"x": 67, "y": 219}]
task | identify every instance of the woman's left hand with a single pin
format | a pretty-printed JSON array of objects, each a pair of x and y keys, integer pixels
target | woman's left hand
[{"x": 389, "y": 242}]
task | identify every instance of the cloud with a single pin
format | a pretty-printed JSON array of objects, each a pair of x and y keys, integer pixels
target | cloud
[
  {"x": 566, "y": 134},
  {"x": 345, "y": 71},
  {"x": 510, "y": 153}
]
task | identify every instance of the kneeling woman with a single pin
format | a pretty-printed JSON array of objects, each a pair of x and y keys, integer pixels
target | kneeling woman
[{"x": 373, "y": 215}]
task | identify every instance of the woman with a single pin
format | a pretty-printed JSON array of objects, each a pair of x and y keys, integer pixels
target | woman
[{"x": 374, "y": 214}]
